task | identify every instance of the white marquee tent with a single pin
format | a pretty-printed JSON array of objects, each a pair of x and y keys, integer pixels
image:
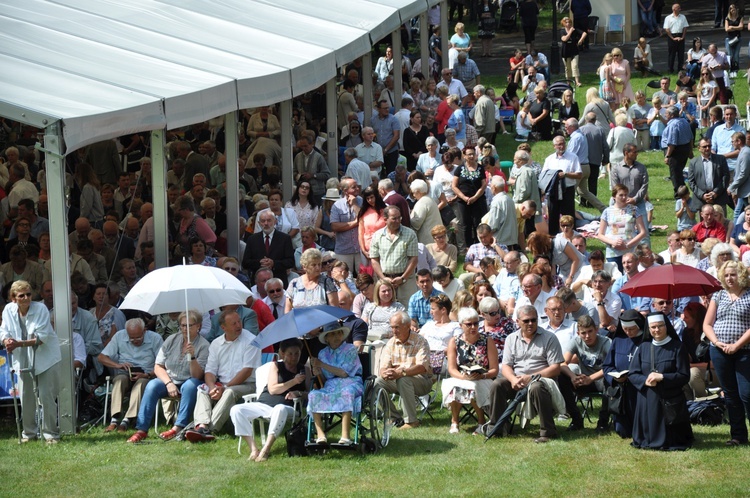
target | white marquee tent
[{"x": 88, "y": 70}]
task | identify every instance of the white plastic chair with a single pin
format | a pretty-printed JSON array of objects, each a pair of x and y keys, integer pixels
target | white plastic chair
[{"x": 261, "y": 380}]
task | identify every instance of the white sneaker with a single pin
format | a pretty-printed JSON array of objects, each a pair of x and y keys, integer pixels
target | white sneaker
[{"x": 454, "y": 429}]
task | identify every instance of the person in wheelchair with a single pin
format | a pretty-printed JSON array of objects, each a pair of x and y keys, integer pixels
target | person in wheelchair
[
  {"x": 286, "y": 382},
  {"x": 472, "y": 364},
  {"x": 339, "y": 365}
]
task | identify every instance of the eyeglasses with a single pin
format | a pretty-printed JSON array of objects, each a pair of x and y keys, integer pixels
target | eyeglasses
[
  {"x": 491, "y": 313},
  {"x": 471, "y": 324},
  {"x": 566, "y": 226},
  {"x": 306, "y": 187},
  {"x": 184, "y": 326},
  {"x": 274, "y": 291},
  {"x": 328, "y": 262},
  {"x": 529, "y": 320},
  {"x": 23, "y": 294},
  {"x": 554, "y": 310}
]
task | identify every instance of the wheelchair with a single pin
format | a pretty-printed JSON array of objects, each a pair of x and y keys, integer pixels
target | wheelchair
[{"x": 371, "y": 427}]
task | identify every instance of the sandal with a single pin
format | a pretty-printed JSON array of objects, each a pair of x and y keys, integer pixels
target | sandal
[
  {"x": 454, "y": 429},
  {"x": 734, "y": 442},
  {"x": 345, "y": 440},
  {"x": 167, "y": 435},
  {"x": 321, "y": 440},
  {"x": 138, "y": 437}
]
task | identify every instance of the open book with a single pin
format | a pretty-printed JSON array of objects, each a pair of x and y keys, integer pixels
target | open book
[
  {"x": 618, "y": 375},
  {"x": 474, "y": 369}
]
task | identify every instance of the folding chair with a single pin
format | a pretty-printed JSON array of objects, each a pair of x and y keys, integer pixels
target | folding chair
[
  {"x": 615, "y": 24},
  {"x": 436, "y": 358},
  {"x": 593, "y": 30},
  {"x": 587, "y": 403},
  {"x": 169, "y": 406}
]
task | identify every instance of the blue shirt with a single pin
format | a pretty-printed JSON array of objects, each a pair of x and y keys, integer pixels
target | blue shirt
[
  {"x": 121, "y": 350},
  {"x": 346, "y": 242},
  {"x": 384, "y": 129},
  {"x": 579, "y": 146},
  {"x": 628, "y": 303},
  {"x": 419, "y": 306},
  {"x": 677, "y": 132},
  {"x": 721, "y": 142}
]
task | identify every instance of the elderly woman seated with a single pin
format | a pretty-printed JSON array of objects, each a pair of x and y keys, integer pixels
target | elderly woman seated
[
  {"x": 287, "y": 381},
  {"x": 342, "y": 393},
  {"x": 179, "y": 370},
  {"x": 472, "y": 364}
]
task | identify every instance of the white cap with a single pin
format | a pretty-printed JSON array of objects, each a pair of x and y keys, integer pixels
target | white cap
[
  {"x": 655, "y": 319},
  {"x": 628, "y": 324}
]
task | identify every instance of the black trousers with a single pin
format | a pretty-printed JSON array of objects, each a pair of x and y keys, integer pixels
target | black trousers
[
  {"x": 676, "y": 52},
  {"x": 594, "y": 178},
  {"x": 558, "y": 208},
  {"x": 676, "y": 163}
]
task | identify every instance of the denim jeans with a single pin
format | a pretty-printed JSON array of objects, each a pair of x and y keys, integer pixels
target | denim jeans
[
  {"x": 733, "y": 51},
  {"x": 733, "y": 372},
  {"x": 155, "y": 390},
  {"x": 739, "y": 208},
  {"x": 649, "y": 21}
]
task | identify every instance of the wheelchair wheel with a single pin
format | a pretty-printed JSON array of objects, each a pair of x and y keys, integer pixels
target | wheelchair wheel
[{"x": 380, "y": 418}]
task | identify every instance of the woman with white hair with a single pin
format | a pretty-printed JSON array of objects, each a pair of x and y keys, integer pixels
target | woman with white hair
[
  {"x": 720, "y": 254},
  {"x": 451, "y": 140},
  {"x": 430, "y": 160},
  {"x": 425, "y": 213},
  {"x": 618, "y": 137},
  {"x": 472, "y": 364}
]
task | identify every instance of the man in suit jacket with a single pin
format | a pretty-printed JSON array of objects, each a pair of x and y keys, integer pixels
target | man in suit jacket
[
  {"x": 310, "y": 165},
  {"x": 279, "y": 256},
  {"x": 708, "y": 178},
  {"x": 740, "y": 187}
]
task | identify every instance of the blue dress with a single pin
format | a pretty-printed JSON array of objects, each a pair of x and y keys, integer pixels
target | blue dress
[{"x": 339, "y": 394}]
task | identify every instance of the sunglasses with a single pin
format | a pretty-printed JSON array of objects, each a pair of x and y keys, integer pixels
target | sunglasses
[
  {"x": 24, "y": 294},
  {"x": 275, "y": 291},
  {"x": 328, "y": 262},
  {"x": 491, "y": 313},
  {"x": 529, "y": 320}
]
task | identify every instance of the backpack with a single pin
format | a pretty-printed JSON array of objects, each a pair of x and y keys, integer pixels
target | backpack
[{"x": 295, "y": 439}]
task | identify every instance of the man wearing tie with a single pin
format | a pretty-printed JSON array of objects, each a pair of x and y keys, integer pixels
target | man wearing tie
[
  {"x": 276, "y": 297},
  {"x": 708, "y": 178},
  {"x": 269, "y": 248}
]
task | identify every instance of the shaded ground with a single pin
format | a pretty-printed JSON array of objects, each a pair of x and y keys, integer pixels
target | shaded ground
[{"x": 699, "y": 15}]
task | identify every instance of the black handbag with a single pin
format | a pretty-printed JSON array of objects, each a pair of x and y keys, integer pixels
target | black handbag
[
  {"x": 295, "y": 439},
  {"x": 614, "y": 398}
]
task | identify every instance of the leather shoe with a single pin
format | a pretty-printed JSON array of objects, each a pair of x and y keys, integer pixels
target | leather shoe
[
  {"x": 410, "y": 425},
  {"x": 575, "y": 425},
  {"x": 542, "y": 439},
  {"x": 110, "y": 427}
]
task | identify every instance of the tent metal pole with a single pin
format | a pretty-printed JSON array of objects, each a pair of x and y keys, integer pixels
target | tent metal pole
[
  {"x": 233, "y": 184},
  {"x": 159, "y": 182}
]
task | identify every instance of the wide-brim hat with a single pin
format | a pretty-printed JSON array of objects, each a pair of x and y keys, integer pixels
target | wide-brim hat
[
  {"x": 332, "y": 327},
  {"x": 332, "y": 194}
]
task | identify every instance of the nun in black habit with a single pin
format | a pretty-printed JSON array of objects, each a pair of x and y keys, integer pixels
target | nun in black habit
[{"x": 659, "y": 370}]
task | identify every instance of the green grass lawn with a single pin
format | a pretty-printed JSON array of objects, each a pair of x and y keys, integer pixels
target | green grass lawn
[{"x": 421, "y": 462}]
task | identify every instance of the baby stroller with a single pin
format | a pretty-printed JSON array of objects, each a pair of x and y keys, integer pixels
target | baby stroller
[
  {"x": 554, "y": 93},
  {"x": 508, "y": 16}
]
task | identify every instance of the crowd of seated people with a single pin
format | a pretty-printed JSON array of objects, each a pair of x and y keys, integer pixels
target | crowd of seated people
[{"x": 404, "y": 232}]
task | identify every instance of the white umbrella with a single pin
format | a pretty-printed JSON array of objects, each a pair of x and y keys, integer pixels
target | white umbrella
[{"x": 168, "y": 290}]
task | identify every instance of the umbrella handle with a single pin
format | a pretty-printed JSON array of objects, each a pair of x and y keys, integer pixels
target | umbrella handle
[{"x": 321, "y": 380}]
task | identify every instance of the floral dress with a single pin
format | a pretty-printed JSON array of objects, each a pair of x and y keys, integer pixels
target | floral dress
[
  {"x": 302, "y": 297},
  {"x": 340, "y": 394},
  {"x": 620, "y": 225},
  {"x": 306, "y": 215},
  {"x": 461, "y": 390},
  {"x": 499, "y": 333}
]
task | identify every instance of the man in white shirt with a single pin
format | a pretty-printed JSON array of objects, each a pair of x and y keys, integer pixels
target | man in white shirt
[
  {"x": 455, "y": 87},
  {"x": 229, "y": 376},
  {"x": 529, "y": 83},
  {"x": 275, "y": 297},
  {"x": 532, "y": 295},
  {"x": 675, "y": 27},
  {"x": 556, "y": 323},
  {"x": 569, "y": 172},
  {"x": 608, "y": 305}
]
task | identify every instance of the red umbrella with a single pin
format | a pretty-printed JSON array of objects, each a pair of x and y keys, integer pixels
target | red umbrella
[{"x": 671, "y": 282}]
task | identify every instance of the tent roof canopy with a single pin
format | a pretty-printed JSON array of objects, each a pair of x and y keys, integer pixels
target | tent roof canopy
[{"x": 109, "y": 68}]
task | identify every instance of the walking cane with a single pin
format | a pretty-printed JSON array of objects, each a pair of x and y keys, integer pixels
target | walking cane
[
  {"x": 38, "y": 413},
  {"x": 15, "y": 395}
]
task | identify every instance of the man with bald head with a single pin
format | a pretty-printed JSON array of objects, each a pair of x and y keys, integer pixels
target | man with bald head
[{"x": 82, "y": 229}]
